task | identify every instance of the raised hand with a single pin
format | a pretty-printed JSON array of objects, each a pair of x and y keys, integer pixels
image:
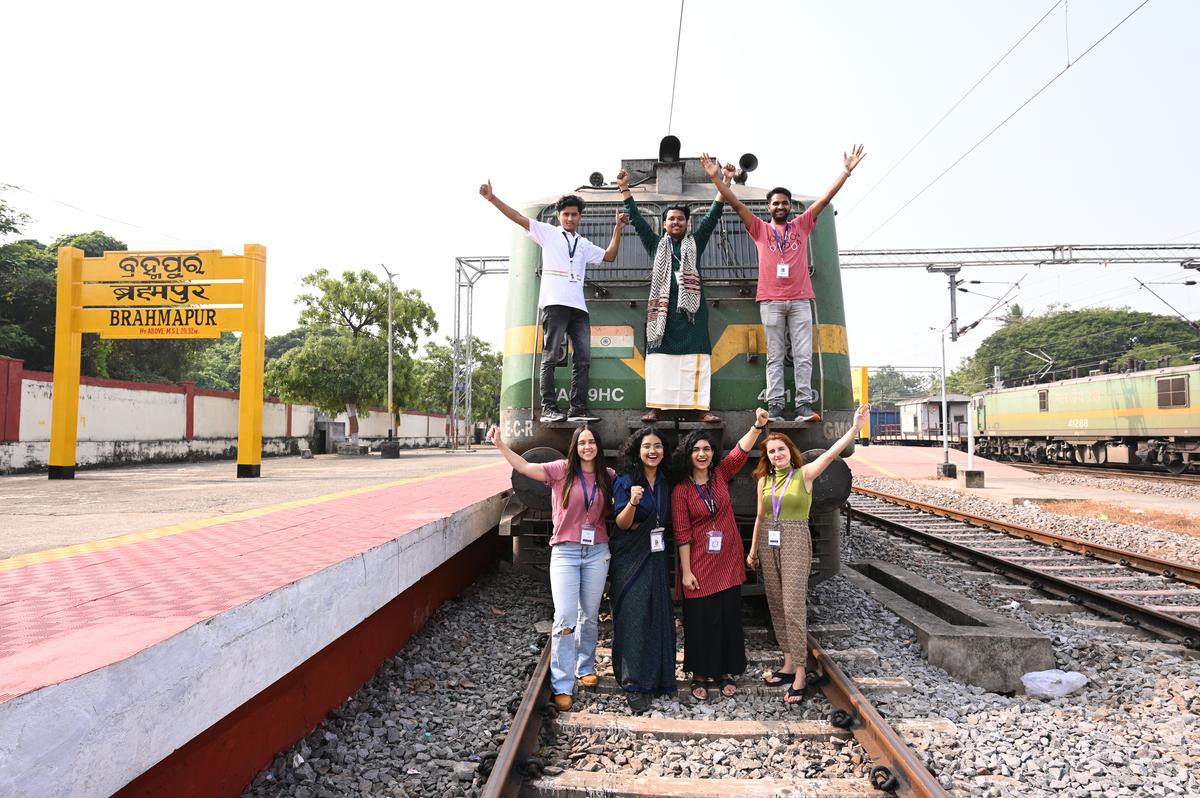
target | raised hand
[
  {"x": 485, "y": 191},
  {"x": 711, "y": 167},
  {"x": 728, "y": 173},
  {"x": 622, "y": 219},
  {"x": 635, "y": 495},
  {"x": 860, "y": 416},
  {"x": 623, "y": 180},
  {"x": 855, "y": 156},
  {"x": 493, "y": 435},
  {"x": 761, "y": 417}
]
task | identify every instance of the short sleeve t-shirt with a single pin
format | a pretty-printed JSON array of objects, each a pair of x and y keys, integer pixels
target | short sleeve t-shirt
[
  {"x": 569, "y": 520},
  {"x": 793, "y": 239},
  {"x": 565, "y": 257}
]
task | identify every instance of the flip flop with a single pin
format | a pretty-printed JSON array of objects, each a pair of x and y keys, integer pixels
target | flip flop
[
  {"x": 799, "y": 696},
  {"x": 699, "y": 690},
  {"x": 724, "y": 683},
  {"x": 778, "y": 679}
]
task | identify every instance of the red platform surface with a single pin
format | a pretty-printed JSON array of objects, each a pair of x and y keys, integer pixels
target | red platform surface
[{"x": 95, "y": 604}]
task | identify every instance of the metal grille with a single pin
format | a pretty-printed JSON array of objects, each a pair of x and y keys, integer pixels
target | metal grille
[{"x": 731, "y": 253}]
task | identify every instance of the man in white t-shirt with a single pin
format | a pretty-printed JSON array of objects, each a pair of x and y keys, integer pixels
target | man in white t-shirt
[{"x": 565, "y": 257}]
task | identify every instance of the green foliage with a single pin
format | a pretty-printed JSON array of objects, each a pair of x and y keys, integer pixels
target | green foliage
[
  {"x": 887, "y": 385},
  {"x": 1079, "y": 338},
  {"x": 28, "y": 286},
  {"x": 219, "y": 365},
  {"x": 93, "y": 244},
  {"x": 11, "y": 221},
  {"x": 331, "y": 372},
  {"x": 434, "y": 378}
]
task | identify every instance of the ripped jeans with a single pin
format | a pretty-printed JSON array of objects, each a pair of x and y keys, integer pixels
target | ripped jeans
[{"x": 577, "y": 575}]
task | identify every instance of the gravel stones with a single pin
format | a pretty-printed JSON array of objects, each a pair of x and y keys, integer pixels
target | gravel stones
[{"x": 422, "y": 725}]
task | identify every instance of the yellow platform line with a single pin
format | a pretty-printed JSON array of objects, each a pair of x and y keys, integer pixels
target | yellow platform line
[
  {"x": 887, "y": 472},
  {"x": 62, "y": 552}
]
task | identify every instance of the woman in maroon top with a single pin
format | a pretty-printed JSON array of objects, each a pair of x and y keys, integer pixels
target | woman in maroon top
[{"x": 711, "y": 558}]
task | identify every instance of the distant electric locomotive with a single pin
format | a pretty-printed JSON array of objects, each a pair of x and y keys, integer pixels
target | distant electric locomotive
[{"x": 616, "y": 297}]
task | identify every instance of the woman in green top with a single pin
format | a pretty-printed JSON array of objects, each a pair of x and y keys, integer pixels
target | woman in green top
[
  {"x": 783, "y": 544},
  {"x": 678, "y": 348}
]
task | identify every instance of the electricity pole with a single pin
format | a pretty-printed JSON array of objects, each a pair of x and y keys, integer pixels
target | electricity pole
[{"x": 391, "y": 412}]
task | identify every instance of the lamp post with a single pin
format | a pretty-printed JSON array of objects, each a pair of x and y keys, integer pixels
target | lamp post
[
  {"x": 945, "y": 468},
  {"x": 391, "y": 413}
]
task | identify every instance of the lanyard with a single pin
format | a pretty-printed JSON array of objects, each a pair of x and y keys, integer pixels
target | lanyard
[
  {"x": 781, "y": 244},
  {"x": 776, "y": 505},
  {"x": 572, "y": 247},
  {"x": 587, "y": 503},
  {"x": 706, "y": 495},
  {"x": 657, "y": 499}
]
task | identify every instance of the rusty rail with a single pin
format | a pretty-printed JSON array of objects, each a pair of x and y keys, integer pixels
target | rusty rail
[{"x": 509, "y": 770}]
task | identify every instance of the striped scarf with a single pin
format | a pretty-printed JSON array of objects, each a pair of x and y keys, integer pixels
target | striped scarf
[{"x": 660, "y": 287}]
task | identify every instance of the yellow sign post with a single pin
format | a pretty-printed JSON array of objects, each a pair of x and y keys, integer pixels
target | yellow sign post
[
  {"x": 858, "y": 384},
  {"x": 193, "y": 294}
]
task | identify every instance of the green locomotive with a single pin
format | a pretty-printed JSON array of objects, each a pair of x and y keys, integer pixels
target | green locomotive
[
  {"x": 616, "y": 296},
  {"x": 1130, "y": 418}
]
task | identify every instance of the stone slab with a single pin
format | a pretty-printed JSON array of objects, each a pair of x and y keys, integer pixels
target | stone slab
[
  {"x": 968, "y": 641},
  {"x": 1051, "y": 606}
]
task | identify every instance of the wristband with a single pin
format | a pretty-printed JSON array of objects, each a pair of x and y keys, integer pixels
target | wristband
[
  {"x": 764, "y": 426},
  {"x": 847, "y": 171}
]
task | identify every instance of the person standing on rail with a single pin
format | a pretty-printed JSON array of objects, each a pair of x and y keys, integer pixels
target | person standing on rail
[
  {"x": 643, "y": 645},
  {"x": 783, "y": 544},
  {"x": 564, "y": 313},
  {"x": 784, "y": 286},
  {"x": 678, "y": 347},
  {"x": 711, "y": 558},
  {"x": 581, "y": 498}
]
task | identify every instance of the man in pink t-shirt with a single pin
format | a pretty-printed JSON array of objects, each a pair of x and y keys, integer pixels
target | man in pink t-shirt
[{"x": 784, "y": 288}]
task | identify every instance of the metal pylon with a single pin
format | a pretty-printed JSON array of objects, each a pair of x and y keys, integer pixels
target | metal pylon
[{"x": 467, "y": 272}]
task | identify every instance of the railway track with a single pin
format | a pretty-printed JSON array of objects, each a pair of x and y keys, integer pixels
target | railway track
[
  {"x": 1112, "y": 472},
  {"x": 1160, "y": 596},
  {"x": 542, "y": 745}
]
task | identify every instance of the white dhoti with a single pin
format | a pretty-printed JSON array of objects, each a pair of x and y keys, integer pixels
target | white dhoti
[{"x": 678, "y": 382}]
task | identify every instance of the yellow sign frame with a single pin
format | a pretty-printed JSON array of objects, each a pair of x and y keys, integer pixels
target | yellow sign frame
[{"x": 188, "y": 294}]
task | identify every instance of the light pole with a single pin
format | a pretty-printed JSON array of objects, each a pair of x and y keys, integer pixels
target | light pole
[{"x": 391, "y": 413}]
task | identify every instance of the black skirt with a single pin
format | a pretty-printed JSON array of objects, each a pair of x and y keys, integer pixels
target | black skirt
[{"x": 713, "y": 643}]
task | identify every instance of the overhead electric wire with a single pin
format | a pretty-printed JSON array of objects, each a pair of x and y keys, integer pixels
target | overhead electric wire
[
  {"x": 675, "y": 74},
  {"x": 957, "y": 103},
  {"x": 1002, "y": 123},
  {"x": 92, "y": 213}
]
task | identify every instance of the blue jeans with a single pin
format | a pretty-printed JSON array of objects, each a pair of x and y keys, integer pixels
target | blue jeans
[
  {"x": 577, "y": 575},
  {"x": 781, "y": 317}
]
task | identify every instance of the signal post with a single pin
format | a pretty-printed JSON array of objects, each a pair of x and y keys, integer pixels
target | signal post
[{"x": 190, "y": 294}]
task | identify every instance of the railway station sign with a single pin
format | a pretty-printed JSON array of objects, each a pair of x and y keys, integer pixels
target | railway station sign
[{"x": 188, "y": 294}]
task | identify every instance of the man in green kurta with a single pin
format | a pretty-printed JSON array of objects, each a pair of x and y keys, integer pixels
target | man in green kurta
[{"x": 678, "y": 347}]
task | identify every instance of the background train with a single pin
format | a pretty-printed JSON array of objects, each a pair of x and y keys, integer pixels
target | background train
[
  {"x": 616, "y": 295},
  {"x": 1136, "y": 417}
]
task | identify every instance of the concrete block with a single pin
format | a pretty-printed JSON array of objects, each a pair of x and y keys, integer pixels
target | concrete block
[
  {"x": 973, "y": 479},
  {"x": 947, "y": 470},
  {"x": 968, "y": 641},
  {"x": 1011, "y": 590},
  {"x": 1050, "y": 606}
]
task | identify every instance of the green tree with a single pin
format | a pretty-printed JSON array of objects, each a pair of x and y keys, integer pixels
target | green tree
[
  {"x": 11, "y": 221},
  {"x": 1079, "y": 339},
  {"x": 333, "y": 372},
  {"x": 28, "y": 287},
  {"x": 434, "y": 378},
  {"x": 93, "y": 244},
  {"x": 887, "y": 385}
]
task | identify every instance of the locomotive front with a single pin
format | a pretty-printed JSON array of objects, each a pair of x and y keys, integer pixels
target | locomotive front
[{"x": 616, "y": 296}]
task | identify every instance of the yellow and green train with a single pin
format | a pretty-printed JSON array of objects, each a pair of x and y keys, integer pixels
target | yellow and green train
[
  {"x": 616, "y": 294},
  {"x": 1131, "y": 418}
]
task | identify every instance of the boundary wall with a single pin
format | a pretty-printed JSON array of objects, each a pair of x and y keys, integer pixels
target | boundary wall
[{"x": 126, "y": 423}]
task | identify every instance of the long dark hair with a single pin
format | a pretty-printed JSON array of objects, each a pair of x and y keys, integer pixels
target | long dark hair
[
  {"x": 575, "y": 467},
  {"x": 631, "y": 459},
  {"x": 683, "y": 453}
]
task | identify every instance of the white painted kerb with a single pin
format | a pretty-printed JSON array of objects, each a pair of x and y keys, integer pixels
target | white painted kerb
[{"x": 94, "y": 734}]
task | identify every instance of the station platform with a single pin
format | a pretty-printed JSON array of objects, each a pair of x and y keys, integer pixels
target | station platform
[
  {"x": 127, "y": 661},
  {"x": 1003, "y": 482}
]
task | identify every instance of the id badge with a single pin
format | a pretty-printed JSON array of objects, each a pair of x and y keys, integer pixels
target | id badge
[
  {"x": 587, "y": 535},
  {"x": 774, "y": 539},
  {"x": 573, "y": 277},
  {"x": 714, "y": 541},
  {"x": 782, "y": 271},
  {"x": 656, "y": 539}
]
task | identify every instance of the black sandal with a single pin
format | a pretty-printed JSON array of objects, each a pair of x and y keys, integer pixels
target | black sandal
[
  {"x": 727, "y": 682},
  {"x": 699, "y": 684},
  {"x": 779, "y": 679},
  {"x": 799, "y": 694}
]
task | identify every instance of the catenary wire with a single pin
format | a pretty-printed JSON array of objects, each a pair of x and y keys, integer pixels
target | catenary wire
[
  {"x": 675, "y": 74},
  {"x": 92, "y": 213},
  {"x": 1001, "y": 124}
]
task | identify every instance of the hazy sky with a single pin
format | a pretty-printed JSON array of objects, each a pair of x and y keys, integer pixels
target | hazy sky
[{"x": 346, "y": 135}]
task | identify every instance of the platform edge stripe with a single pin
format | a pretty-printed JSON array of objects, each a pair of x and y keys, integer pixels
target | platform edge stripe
[{"x": 105, "y": 544}]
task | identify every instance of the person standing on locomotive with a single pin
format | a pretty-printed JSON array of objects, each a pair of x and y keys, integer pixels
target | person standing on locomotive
[
  {"x": 643, "y": 645},
  {"x": 581, "y": 499},
  {"x": 784, "y": 287},
  {"x": 678, "y": 347},
  {"x": 565, "y": 256},
  {"x": 783, "y": 544},
  {"x": 711, "y": 558}
]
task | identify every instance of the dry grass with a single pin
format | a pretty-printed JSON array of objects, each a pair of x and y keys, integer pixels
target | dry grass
[{"x": 1170, "y": 522}]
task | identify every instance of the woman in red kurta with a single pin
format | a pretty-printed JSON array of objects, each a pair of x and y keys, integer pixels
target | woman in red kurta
[{"x": 711, "y": 558}]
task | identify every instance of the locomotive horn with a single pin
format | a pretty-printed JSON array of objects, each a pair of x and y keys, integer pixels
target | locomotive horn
[
  {"x": 668, "y": 149},
  {"x": 747, "y": 163}
]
